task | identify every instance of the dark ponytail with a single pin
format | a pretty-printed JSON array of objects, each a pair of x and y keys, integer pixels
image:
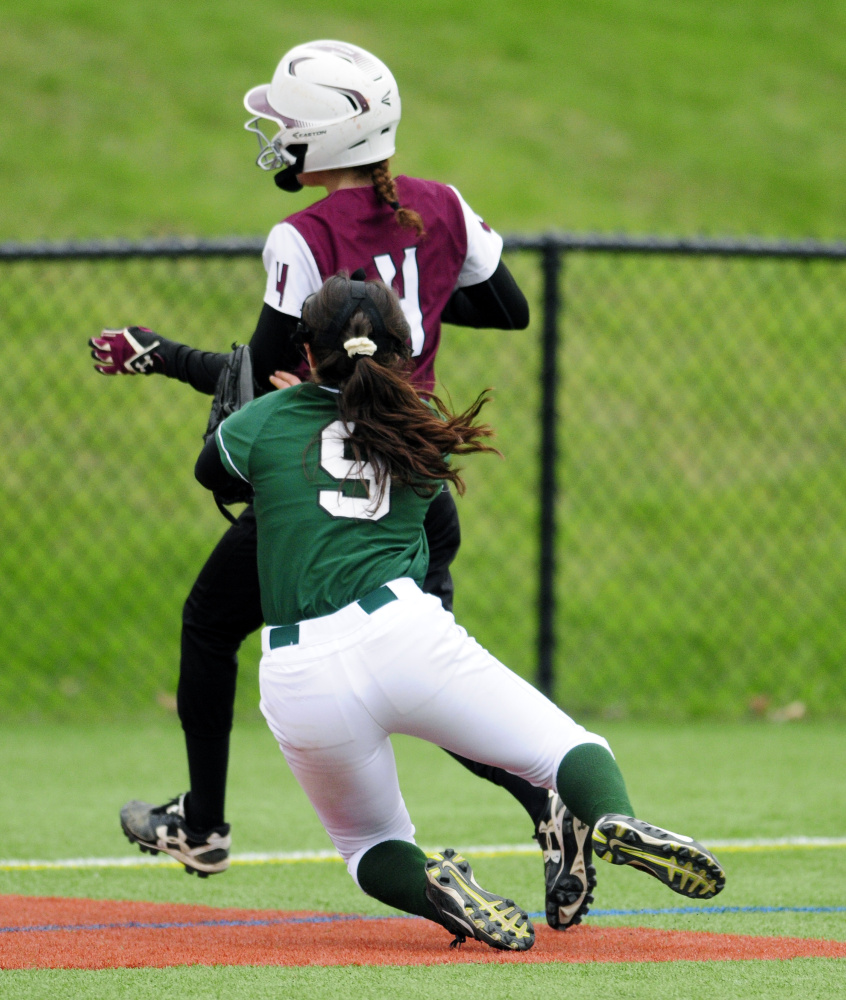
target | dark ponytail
[{"x": 389, "y": 425}]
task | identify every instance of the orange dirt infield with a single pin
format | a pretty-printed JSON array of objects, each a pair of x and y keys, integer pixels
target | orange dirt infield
[{"x": 52, "y": 933}]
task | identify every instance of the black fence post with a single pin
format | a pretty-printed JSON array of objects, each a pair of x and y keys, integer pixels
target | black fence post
[{"x": 552, "y": 262}]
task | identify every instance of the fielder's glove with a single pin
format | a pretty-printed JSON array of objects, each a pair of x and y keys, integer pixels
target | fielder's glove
[
  {"x": 130, "y": 351},
  {"x": 235, "y": 388}
]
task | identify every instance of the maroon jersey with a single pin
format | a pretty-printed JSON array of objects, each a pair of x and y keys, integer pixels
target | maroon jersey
[{"x": 352, "y": 229}]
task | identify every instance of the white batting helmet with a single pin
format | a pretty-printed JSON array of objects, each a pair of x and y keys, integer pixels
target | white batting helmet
[{"x": 336, "y": 105}]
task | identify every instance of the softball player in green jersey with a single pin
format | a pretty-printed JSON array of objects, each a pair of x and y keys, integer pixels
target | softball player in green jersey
[
  {"x": 332, "y": 110},
  {"x": 344, "y": 468}
]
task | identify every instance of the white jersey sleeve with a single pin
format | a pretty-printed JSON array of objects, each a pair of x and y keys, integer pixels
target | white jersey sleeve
[
  {"x": 484, "y": 247},
  {"x": 292, "y": 273}
]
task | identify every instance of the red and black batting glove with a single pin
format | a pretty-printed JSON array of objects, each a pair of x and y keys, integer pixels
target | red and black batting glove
[{"x": 130, "y": 351}]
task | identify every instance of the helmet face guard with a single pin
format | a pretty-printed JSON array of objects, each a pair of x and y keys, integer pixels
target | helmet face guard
[
  {"x": 272, "y": 152},
  {"x": 335, "y": 100}
]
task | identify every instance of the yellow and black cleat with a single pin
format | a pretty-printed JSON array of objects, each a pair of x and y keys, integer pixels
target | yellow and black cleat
[
  {"x": 677, "y": 861},
  {"x": 468, "y": 910}
]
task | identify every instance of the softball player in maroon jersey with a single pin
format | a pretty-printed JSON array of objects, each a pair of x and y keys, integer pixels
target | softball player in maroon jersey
[
  {"x": 344, "y": 467},
  {"x": 336, "y": 109}
]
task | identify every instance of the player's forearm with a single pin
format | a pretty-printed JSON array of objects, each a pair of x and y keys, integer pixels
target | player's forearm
[
  {"x": 272, "y": 345},
  {"x": 496, "y": 304},
  {"x": 199, "y": 369}
]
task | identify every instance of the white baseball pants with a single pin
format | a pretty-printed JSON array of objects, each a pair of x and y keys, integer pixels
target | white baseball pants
[{"x": 353, "y": 678}]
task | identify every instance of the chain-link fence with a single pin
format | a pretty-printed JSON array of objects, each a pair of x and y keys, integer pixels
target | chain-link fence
[{"x": 665, "y": 535}]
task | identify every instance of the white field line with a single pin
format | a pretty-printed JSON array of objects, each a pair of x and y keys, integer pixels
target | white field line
[{"x": 488, "y": 850}]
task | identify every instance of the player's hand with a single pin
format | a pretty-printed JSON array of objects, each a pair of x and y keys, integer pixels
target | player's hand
[
  {"x": 284, "y": 380},
  {"x": 130, "y": 351}
]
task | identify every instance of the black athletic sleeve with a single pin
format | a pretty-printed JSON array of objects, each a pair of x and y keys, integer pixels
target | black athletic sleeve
[
  {"x": 495, "y": 304},
  {"x": 209, "y": 470},
  {"x": 272, "y": 345},
  {"x": 199, "y": 369}
]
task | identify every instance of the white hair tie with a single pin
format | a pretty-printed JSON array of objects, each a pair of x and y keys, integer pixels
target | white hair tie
[{"x": 359, "y": 345}]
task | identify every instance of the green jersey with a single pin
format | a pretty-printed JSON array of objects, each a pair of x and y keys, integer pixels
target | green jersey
[{"x": 324, "y": 538}]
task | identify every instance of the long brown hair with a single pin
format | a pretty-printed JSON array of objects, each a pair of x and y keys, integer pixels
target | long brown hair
[{"x": 388, "y": 423}]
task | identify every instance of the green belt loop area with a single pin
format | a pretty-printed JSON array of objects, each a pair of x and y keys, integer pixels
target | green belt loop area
[
  {"x": 284, "y": 635},
  {"x": 289, "y": 635},
  {"x": 376, "y": 599}
]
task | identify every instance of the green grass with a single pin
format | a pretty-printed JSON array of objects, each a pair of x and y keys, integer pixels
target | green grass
[
  {"x": 717, "y": 782},
  {"x": 676, "y": 116},
  {"x": 781, "y": 774},
  {"x": 693, "y": 981}
]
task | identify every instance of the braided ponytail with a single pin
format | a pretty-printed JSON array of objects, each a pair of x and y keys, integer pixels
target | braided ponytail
[{"x": 386, "y": 189}]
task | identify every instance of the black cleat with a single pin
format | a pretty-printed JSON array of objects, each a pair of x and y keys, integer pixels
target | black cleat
[
  {"x": 163, "y": 828},
  {"x": 570, "y": 877},
  {"x": 677, "y": 861},
  {"x": 467, "y": 910}
]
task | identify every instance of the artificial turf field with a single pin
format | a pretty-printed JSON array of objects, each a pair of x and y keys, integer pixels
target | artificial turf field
[
  {"x": 754, "y": 789},
  {"x": 675, "y": 117}
]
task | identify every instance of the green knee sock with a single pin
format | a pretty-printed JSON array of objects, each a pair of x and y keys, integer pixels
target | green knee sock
[
  {"x": 393, "y": 872},
  {"x": 591, "y": 784}
]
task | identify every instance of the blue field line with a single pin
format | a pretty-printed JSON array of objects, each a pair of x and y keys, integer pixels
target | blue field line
[
  {"x": 333, "y": 918},
  {"x": 707, "y": 910},
  {"x": 317, "y": 918}
]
